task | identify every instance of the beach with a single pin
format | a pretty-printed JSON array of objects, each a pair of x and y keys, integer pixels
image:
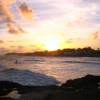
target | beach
[{"x": 49, "y": 78}]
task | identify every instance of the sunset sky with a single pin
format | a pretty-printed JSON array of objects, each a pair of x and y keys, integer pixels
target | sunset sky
[{"x": 31, "y": 25}]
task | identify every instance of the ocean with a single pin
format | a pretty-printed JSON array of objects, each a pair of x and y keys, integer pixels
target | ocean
[{"x": 61, "y": 68}]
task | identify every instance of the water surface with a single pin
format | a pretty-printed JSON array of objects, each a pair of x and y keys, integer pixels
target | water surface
[{"x": 61, "y": 68}]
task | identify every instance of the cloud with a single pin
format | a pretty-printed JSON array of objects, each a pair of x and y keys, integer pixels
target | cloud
[
  {"x": 91, "y": 1},
  {"x": 95, "y": 35},
  {"x": 69, "y": 41},
  {"x": 15, "y": 29},
  {"x": 8, "y": 17},
  {"x": 26, "y": 12},
  {"x": 3, "y": 50},
  {"x": 5, "y": 11},
  {"x": 1, "y": 41}
]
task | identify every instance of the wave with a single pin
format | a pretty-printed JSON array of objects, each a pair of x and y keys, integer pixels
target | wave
[
  {"x": 85, "y": 62},
  {"x": 26, "y": 77},
  {"x": 34, "y": 60}
]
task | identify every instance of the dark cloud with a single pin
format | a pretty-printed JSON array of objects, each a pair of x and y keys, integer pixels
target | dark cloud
[
  {"x": 26, "y": 12},
  {"x": 95, "y": 35},
  {"x": 1, "y": 41},
  {"x": 15, "y": 29}
]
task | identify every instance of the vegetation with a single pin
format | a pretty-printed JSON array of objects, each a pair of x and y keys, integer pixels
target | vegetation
[{"x": 80, "y": 52}]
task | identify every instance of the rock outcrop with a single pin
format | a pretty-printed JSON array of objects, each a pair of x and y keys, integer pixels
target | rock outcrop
[{"x": 85, "y": 88}]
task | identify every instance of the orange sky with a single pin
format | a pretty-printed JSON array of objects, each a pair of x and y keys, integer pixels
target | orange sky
[{"x": 30, "y": 25}]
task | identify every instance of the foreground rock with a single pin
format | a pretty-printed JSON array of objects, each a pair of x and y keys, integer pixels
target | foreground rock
[
  {"x": 85, "y": 88},
  {"x": 87, "y": 82}
]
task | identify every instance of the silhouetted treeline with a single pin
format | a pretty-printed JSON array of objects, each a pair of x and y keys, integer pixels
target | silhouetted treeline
[{"x": 80, "y": 52}]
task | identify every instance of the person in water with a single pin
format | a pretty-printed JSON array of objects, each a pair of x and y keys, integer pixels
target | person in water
[{"x": 16, "y": 62}]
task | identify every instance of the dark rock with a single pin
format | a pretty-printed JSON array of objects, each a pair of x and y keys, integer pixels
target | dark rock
[
  {"x": 6, "y": 98},
  {"x": 85, "y": 88},
  {"x": 87, "y": 82},
  {"x": 6, "y": 87}
]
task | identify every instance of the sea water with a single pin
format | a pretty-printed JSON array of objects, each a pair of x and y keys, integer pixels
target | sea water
[{"x": 61, "y": 68}]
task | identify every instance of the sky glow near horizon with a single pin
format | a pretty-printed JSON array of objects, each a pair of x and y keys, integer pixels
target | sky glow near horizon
[{"x": 30, "y": 25}]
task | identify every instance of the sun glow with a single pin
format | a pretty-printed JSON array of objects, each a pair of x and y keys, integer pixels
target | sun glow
[{"x": 52, "y": 44}]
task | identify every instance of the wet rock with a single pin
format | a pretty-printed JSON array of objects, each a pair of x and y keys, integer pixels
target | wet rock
[
  {"x": 85, "y": 88},
  {"x": 6, "y": 98},
  {"x": 6, "y": 87},
  {"x": 87, "y": 82}
]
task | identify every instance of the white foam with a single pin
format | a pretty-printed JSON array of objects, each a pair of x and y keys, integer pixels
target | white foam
[{"x": 26, "y": 77}]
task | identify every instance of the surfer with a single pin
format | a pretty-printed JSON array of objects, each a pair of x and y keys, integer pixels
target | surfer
[{"x": 16, "y": 62}]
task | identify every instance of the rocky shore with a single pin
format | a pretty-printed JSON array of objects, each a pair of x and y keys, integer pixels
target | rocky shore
[{"x": 85, "y": 88}]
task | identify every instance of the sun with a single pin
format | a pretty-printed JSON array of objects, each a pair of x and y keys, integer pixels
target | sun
[{"x": 52, "y": 44}]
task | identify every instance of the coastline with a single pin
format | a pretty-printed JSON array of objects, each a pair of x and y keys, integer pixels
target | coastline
[{"x": 85, "y": 88}]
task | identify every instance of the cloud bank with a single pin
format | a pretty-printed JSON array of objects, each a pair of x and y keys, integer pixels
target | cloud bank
[{"x": 8, "y": 17}]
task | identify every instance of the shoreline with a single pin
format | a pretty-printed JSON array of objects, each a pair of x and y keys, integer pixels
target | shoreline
[{"x": 84, "y": 88}]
